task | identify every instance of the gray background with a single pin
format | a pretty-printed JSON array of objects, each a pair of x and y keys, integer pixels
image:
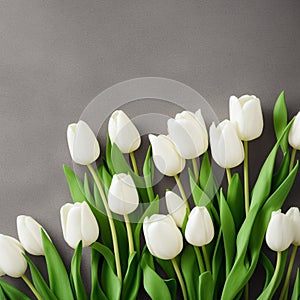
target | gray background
[{"x": 56, "y": 56}]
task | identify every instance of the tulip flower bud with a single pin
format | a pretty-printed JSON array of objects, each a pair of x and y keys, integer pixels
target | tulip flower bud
[
  {"x": 246, "y": 113},
  {"x": 123, "y": 132},
  {"x": 165, "y": 156},
  {"x": 123, "y": 198},
  {"x": 163, "y": 238},
  {"x": 78, "y": 224},
  {"x": 83, "y": 145},
  {"x": 294, "y": 134},
  {"x": 280, "y": 233},
  {"x": 226, "y": 147},
  {"x": 294, "y": 214},
  {"x": 29, "y": 232},
  {"x": 199, "y": 229},
  {"x": 189, "y": 134},
  {"x": 12, "y": 260},
  {"x": 176, "y": 207}
]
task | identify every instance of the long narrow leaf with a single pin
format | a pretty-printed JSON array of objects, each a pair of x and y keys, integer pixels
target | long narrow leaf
[{"x": 11, "y": 292}]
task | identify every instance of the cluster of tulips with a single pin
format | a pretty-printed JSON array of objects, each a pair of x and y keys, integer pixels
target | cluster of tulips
[{"x": 211, "y": 250}]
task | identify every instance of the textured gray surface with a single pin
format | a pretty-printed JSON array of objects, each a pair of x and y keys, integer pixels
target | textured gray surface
[{"x": 56, "y": 56}]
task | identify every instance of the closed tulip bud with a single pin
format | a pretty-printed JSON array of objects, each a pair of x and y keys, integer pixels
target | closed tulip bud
[
  {"x": 12, "y": 260},
  {"x": 246, "y": 113},
  {"x": 83, "y": 145},
  {"x": 294, "y": 134},
  {"x": 163, "y": 238},
  {"x": 226, "y": 147},
  {"x": 123, "y": 198},
  {"x": 165, "y": 156},
  {"x": 280, "y": 233},
  {"x": 189, "y": 134},
  {"x": 78, "y": 224},
  {"x": 294, "y": 214},
  {"x": 176, "y": 207},
  {"x": 29, "y": 232},
  {"x": 123, "y": 132},
  {"x": 199, "y": 229}
]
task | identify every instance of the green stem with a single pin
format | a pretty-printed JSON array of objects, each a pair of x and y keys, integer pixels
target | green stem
[
  {"x": 180, "y": 278},
  {"x": 206, "y": 258},
  {"x": 276, "y": 273},
  {"x": 285, "y": 288},
  {"x": 181, "y": 190},
  {"x": 129, "y": 234},
  {"x": 134, "y": 164},
  {"x": 293, "y": 156},
  {"x": 110, "y": 220},
  {"x": 33, "y": 289},
  {"x": 228, "y": 173},
  {"x": 199, "y": 260},
  {"x": 246, "y": 291},
  {"x": 196, "y": 169},
  {"x": 246, "y": 177}
]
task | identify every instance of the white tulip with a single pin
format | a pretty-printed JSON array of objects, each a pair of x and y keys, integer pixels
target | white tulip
[
  {"x": 12, "y": 261},
  {"x": 123, "y": 197},
  {"x": 280, "y": 233},
  {"x": 199, "y": 229},
  {"x": 226, "y": 147},
  {"x": 123, "y": 132},
  {"x": 294, "y": 134},
  {"x": 165, "y": 156},
  {"x": 83, "y": 145},
  {"x": 294, "y": 214},
  {"x": 163, "y": 238},
  {"x": 246, "y": 113},
  {"x": 78, "y": 224},
  {"x": 30, "y": 236},
  {"x": 189, "y": 134},
  {"x": 176, "y": 207}
]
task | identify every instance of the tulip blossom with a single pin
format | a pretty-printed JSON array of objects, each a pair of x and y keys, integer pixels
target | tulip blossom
[
  {"x": 294, "y": 134},
  {"x": 280, "y": 232},
  {"x": 123, "y": 132},
  {"x": 246, "y": 113},
  {"x": 176, "y": 207},
  {"x": 199, "y": 229},
  {"x": 29, "y": 232},
  {"x": 165, "y": 156},
  {"x": 226, "y": 147},
  {"x": 83, "y": 145},
  {"x": 163, "y": 238},
  {"x": 189, "y": 134},
  {"x": 123, "y": 198},
  {"x": 12, "y": 260},
  {"x": 78, "y": 224},
  {"x": 294, "y": 214}
]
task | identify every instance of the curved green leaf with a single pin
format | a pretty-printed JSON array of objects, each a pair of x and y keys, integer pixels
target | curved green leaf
[
  {"x": 167, "y": 267},
  {"x": 11, "y": 292},
  {"x": 282, "y": 172},
  {"x": 206, "y": 286},
  {"x": 39, "y": 282},
  {"x": 75, "y": 276},
  {"x": 148, "y": 172},
  {"x": 87, "y": 190},
  {"x": 2, "y": 295},
  {"x": 58, "y": 276},
  {"x": 267, "y": 264},
  {"x": 206, "y": 178},
  {"x": 296, "y": 290}
]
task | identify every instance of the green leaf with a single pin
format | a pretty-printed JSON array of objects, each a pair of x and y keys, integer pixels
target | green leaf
[
  {"x": 282, "y": 172},
  {"x": 172, "y": 286},
  {"x": 75, "y": 185},
  {"x": 148, "y": 172},
  {"x": 206, "y": 286},
  {"x": 154, "y": 285},
  {"x": 57, "y": 274},
  {"x": 280, "y": 116},
  {"x": 75, "y": 276},
  {"x": 206, "y": 178},
  {"x": 87, "y": 190},
  {"x": 11, "y": 292},
  {"x": 39, "y": 282},
  {"x": 267, "y": 264},
  {"x": 296, "y": 290},
  {"x": 2, "y": 295},
  {"x": 96, "y": 290},
  {"x": 167, "y": 267},
  {"x": 190, "y": 271},
  {"x": 104, "y": 177},
  {"x": 131, "y": 282},
  {"x": 235, "y": 200},
  {"x": 108, "y": 156},
  {"x": 228, "y": 231}
]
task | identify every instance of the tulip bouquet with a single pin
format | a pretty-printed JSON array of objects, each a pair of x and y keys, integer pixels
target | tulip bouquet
[{"x": 206, "y": 246}]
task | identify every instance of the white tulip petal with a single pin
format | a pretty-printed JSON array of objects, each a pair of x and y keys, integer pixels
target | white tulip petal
[
  {"x": 89, "y": 226},
  {"x": 71, "y": 137},
  {"x": 176, "y": 207},
  {"x": 64, "y": 211},
  {"x": 294, "y": 214},
  {"x": 73, "y": 227},
  {"x": 294, "y": 134}
]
